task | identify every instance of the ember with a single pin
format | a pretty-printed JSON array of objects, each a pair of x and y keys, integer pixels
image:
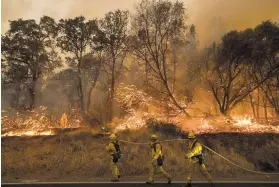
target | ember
[
  {"x": 139, "y": 107},
  {"x": 35, "y": 123},
  {"x": 29, "y": 133}
]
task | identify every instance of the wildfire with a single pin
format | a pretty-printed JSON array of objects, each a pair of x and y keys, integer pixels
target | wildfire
[
  {"x": 242, "y": 121},
  {"x": 205, "y": 127},
  {"x": 242, "y": 124},
  {"x": 29, "y": 133},
  {"x": 35, "y": 123},
  {"x": 139, "y": 107}
]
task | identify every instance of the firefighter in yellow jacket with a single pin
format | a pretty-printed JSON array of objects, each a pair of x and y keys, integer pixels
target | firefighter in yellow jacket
[
  {"x": 157, "y": 160},
  {"x": 195, "y": 158},
  {"x": 114, "y": 150}
]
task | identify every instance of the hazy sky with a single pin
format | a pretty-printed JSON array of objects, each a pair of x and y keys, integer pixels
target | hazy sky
[{"x": 211, "y": 17}]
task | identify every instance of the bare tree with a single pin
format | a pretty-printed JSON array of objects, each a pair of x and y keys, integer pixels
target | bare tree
[{"x": 156, "y": 25}]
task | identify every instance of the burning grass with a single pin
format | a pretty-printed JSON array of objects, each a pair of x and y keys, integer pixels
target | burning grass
[
  {"x": 138, "y": 108},
  {"x": 35, "y": 123}
]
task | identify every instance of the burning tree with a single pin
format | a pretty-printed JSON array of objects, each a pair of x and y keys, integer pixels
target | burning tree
[
  {"x": 131, "y": 98},
  {"x": 265, "y": 58},
  {"x": 230, "y": 66},
  {"x": 156, "y": 25},
  {"x": 111, "y": 40},
  {"x": 135, "y": 103}
]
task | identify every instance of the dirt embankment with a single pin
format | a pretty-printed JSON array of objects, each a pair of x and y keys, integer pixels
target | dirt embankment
[{"x": 82, "y": 157}]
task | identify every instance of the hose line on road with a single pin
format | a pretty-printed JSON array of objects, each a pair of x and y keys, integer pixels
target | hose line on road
[{"x": 231, "y": 162}]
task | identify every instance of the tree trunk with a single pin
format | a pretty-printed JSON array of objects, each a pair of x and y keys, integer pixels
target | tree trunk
[
  {"x": 112, "y": 87},
  {"x": 146, "y": 73},
  {"x": 80, "y": 89},
  {"x": 16, "y": 96},
  {"x": 32, "y": 95},
  {"x": 277, "y": 112},
  {"x": 258, "y": 105},
  {"x": 174, "y": 101},
  {"x": 174, "y": 73},
  {"x": 252, "y": 105},
  {"x": 225, "y": 112},
  {"x": 265, "y": 109},
  {"x": 91, "y": 89},
  {"x": 80, "y": 94}
]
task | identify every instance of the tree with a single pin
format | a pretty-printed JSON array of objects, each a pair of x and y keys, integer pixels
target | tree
[
  {"x": 90, "y": 68},
  {"x": 28, "y": 52},
  {"x": 229, "y": 66},
  {"x": 266, "y": 57},
  {"x": 64, "y": 84},
  {"x": 75, "y": 37},
  {"x": 157, "y": 25},
  {"x": 112, "y": 41}
]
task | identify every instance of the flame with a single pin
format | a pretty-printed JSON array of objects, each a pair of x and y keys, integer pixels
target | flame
[
  {"x": 139, "y": 107},
  {"x": 242, "y": 121},
  {"x": 29, "y": 133},
  {"x": 36, "y": 123}
]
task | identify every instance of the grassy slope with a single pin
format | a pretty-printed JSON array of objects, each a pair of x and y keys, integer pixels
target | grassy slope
[{"x": 82, "y": 156}]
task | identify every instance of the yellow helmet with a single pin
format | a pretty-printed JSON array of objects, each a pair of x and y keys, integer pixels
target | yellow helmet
[
  {"x": 154, "y": 137},
  {"x": 112, "y": 136},
  {"x": 191, "y": 135}
]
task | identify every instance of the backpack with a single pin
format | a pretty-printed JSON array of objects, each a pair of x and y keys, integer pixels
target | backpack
[
  {"x": 160, "y": 159},
  {"x": 117, "y": 155}
]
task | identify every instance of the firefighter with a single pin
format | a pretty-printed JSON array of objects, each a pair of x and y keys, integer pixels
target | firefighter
[
  {"x": 195, "y": 157},
  {"x": 157, "y": 160},
  {"x": 115, "y": 153}
]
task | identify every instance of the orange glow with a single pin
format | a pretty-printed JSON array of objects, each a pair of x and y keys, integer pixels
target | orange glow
[
  {"x": 139, "y": 108},
  {"x": 29, "y": 133}
]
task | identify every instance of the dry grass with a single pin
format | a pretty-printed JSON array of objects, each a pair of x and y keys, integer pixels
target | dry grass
[{"x": 82, "y": 155}]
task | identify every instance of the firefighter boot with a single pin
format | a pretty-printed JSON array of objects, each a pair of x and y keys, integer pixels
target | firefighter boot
[
  {"x": 188, "y": 185},
  {"x": 150, "y": 182},
  {"x": 169, "y": 180}
]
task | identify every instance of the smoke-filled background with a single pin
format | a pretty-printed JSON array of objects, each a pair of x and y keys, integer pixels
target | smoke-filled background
[{"x": 212, "y": 18}]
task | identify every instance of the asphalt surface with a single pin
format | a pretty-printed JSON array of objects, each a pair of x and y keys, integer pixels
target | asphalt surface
[{"x": 141, "y": 184}]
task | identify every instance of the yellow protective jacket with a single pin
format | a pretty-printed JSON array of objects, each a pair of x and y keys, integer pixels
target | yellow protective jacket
[
  {"x": 158, "y": 148},
  {"x": 195, "y": 149},
  {"x": 111, "y": 148}
]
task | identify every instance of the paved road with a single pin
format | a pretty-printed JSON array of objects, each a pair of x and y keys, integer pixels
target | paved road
[{"x": 141, "y": 184}]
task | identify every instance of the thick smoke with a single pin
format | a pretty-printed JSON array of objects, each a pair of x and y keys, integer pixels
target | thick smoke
[{"x": 212, "y": 18}]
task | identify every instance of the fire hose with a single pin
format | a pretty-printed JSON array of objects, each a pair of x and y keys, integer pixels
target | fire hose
[{"x": 231, "y": 162}]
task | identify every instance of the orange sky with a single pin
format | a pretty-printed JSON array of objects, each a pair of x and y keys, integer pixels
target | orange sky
[{"x": 212, "y": 17}]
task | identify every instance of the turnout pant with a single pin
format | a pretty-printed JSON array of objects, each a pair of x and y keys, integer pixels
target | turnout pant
[
  {"x": 114, "y": 169},
  {"x": 152, "y": 170},
  {"x": 192, "y": 165}
]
